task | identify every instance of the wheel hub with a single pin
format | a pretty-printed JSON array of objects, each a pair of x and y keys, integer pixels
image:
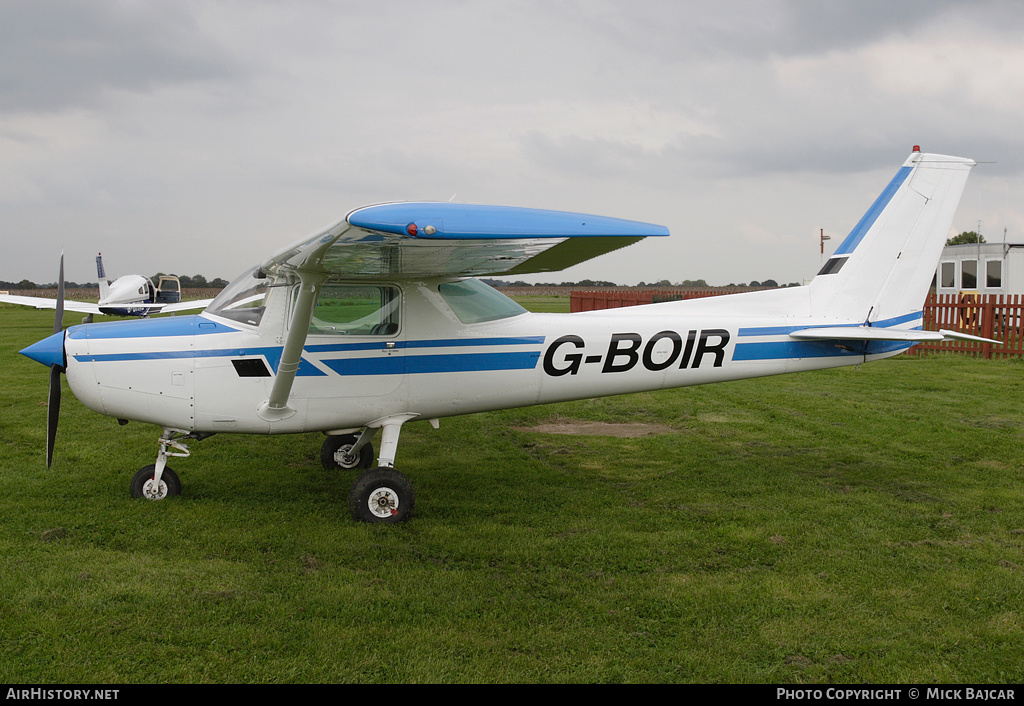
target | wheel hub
[
  {"x": 383, "y": 502},
  {"x": 345, "y": 458},
  {"x": 152, "y": 491}
]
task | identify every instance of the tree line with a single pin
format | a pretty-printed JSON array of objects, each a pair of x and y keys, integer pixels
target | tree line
[
  {"x": 686, "y": 283},
  {"x": 200, "y": 282},
  {"x": 187, "y": 282}
]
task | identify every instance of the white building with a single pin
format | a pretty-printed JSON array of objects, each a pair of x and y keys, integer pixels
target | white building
[{"x": 986, "y": 268}]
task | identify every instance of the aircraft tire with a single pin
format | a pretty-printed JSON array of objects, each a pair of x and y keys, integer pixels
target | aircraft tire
[
  {"x": 330, "y": 459},
  {"x": 381, "y": 495},
  {"x": 170, "y": 484}
]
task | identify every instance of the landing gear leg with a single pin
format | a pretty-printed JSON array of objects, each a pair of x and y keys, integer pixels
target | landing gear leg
[
  {"x": 389, "y": 444},
  {"x": 348, "y": 451},
  {"x": 157, "y": 481},
  {"x": 382, "y": 494}
]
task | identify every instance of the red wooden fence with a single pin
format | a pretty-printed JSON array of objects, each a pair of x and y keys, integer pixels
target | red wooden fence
[
  {"x": 590, "y": 300},
  {"x": 997, "y": 316}
]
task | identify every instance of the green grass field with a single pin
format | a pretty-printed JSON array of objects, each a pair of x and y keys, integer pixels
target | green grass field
[{"x": 846, "y": 526}]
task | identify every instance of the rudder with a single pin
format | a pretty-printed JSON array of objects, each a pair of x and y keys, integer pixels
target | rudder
[{"x": 882, "y": 270}]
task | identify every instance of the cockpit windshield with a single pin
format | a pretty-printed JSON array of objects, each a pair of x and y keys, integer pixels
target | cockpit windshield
[
  {"x": 474, "y": 302},
  {"x": 243, "y": 299}
]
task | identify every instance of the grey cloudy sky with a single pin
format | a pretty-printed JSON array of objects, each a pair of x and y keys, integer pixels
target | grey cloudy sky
[{"x": 200, "y": 137}]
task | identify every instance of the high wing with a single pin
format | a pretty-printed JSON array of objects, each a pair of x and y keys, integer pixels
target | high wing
[{"x": 408, "y": 240}]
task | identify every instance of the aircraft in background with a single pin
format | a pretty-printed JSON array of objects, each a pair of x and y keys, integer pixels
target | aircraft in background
[
  {"x": 377, "y": 321},
  {"x": 129, "y": 295}
]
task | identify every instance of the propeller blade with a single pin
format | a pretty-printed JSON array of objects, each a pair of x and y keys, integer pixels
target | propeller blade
[
  {"x": 58, "y": 319},
  {"x": 53, "y": 395},
  {"x": 52, "y": 412}
]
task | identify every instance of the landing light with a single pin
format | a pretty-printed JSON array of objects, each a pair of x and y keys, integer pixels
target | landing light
[{"x": 412, "y": 229}]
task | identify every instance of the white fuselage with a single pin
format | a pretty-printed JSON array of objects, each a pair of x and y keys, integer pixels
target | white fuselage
[
  {"x": 123, "y": 296},
  {"x": 206, "y": 373}
]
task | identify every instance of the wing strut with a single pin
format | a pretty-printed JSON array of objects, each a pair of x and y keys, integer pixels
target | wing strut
[{"x": 276, "y": 406}]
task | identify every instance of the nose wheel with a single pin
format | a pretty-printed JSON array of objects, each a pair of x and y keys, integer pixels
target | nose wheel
[
  {"x": 381, "y": 495},
  {"x": 157, "y": 481},
  {"x": 145, "y": 485}
]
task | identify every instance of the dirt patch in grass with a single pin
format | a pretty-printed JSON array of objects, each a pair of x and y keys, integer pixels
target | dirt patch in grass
[{"x": 625, "y": 430}]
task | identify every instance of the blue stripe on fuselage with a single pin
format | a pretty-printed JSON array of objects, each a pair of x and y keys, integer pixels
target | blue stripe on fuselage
[
  {"x": 781, "y": 350},
  {"x": 375, "y": 365},
  {"x": 415, "y": 364},
  {"x": 786, "y": 330},
  {"x": 440, "y": 343}
]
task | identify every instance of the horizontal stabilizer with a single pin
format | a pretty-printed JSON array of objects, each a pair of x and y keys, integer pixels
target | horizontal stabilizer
[
  {"x": 868, "y": 333},
  {"x": 957, "y": 336}
]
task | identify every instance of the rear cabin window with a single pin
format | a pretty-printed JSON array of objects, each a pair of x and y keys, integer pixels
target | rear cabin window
[
  {"x": 474, "y": 302},
  {"x": 348, "y": 310}
]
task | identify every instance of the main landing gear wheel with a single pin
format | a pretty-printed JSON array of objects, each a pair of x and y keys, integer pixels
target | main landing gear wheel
[
  {"x": 381, "y": 495},
  {"x": 334, "y": 453},
  {"x": 143, "y": 486}
]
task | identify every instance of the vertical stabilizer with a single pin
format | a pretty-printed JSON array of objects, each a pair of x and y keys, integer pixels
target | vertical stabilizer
[
  {"x": 883, "y": 269},
  {"x": 102, "y": 276}
]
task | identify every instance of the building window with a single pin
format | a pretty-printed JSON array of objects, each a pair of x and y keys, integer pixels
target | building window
[
  {"x": 994, "y": 274},
  {"x": 969, "y": 274},
  {"x": 948, "y": 278}
]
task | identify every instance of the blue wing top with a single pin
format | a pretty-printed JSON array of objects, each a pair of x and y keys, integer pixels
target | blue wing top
[
  {"x": 466, "y": 221},
  {"x": 408, "y": 240}
]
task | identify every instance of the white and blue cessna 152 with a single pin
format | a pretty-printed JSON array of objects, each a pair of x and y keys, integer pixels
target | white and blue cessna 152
[{"x": 376, "y": 321}]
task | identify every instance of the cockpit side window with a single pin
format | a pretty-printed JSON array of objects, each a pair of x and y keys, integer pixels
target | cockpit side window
[{"x": 356, "y": 310}]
